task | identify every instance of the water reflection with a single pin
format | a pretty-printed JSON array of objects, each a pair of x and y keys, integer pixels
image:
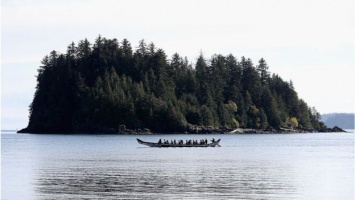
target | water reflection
[
  {"x": 295, "y": 166},
  {"x": 166, "y": 179}
]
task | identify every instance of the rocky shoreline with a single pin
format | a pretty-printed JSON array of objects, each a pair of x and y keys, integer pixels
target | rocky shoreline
[
  {"x": 335, "y": 129},
  {"x": 122, "y": 130}
]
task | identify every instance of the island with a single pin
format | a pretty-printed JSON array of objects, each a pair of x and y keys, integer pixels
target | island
[{"x": 107, "y": 87}]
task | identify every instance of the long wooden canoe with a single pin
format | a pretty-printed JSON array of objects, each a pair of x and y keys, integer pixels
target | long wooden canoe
[{"x": 152, "y": 144}]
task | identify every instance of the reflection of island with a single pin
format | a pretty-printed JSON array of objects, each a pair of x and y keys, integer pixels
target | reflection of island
[
  {"x": 167, "y": 180},
  {"x": 106, "y": 87}
]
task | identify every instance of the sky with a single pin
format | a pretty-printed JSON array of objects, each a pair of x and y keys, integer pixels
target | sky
[{"x": 310, "y": 42}]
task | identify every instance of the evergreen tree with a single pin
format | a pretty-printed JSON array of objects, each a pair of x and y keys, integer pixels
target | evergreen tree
[
  {"x": 304, "y": 115},
  {"x": 203, "y": 92},
  {"x": 270, "y": 107},
  {"x": 263, "y": 71},
  {"x": 251, "y": 81}
]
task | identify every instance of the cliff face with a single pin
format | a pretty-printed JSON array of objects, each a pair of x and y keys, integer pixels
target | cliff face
[{"x": 107, "y": 85}]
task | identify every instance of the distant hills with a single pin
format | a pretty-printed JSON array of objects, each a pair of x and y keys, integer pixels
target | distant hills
[{"x": 342, "y": 120}]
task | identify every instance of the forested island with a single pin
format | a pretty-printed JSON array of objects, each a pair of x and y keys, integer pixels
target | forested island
[{"x": 107, "y": 87}]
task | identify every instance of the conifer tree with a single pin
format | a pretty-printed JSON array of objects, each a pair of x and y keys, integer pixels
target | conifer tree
[{"x": 263, "y": 71}]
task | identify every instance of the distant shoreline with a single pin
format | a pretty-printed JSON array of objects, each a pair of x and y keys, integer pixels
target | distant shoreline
[{"x": 202, "y": 131}]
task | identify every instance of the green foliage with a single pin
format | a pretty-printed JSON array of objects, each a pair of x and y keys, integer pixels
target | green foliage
[
  {"x": 292, "y": 122},
  {"x": 262, "y": 69},
  {"x": 235, "y": 123},
  {"x": 100, "y": 86},
  {"x": 270, "y": 107},
  {"x": 304, "y": 116},
  {"x": 263, "y": 119}
]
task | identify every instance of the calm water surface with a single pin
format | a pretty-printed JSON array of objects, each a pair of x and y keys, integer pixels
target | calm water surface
[{"x": 273, "y": 166}]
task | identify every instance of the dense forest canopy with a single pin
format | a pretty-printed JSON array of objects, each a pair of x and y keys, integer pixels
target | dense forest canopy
[{"x": 100, "y": 86}]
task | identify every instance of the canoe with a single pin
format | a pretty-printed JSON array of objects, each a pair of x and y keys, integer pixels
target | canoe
[{"x": 152, "y": 144}]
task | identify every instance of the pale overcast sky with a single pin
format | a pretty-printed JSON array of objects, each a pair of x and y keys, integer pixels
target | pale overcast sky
[{"x": 310, "y": 42}]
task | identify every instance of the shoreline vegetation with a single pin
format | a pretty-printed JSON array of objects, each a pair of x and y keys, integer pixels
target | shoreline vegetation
[
  {"x": 107, "y": 87},
  {"x": 204, "y": 130}
]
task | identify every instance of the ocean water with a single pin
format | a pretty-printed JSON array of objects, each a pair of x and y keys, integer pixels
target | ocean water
[{"x": 270, "y": 166}]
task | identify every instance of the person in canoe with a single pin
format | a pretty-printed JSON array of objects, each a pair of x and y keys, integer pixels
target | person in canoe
[{"x": 159, "y": 142}]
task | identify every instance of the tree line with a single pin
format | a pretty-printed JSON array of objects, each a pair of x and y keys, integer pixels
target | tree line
[{"x": 100, "y": 86}]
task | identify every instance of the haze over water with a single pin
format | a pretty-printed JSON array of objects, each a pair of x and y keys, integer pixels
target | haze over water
[{"x": 272, "y": 166}]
